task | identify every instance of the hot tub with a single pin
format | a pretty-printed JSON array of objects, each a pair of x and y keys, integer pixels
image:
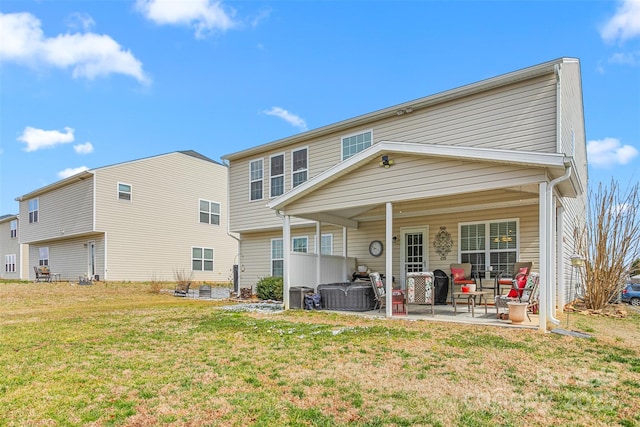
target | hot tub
[{"x": 347, "y": 296}]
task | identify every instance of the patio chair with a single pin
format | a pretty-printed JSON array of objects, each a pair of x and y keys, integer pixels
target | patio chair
[
  {"x": 182, "y": 289},
  {"x": 528, "y": 294},
  {"x": 461, "y": 274},
  {"x": 379, "y": 290},
  {"x": 519, "y": 273},
  {"x": 43, "y": 274}
]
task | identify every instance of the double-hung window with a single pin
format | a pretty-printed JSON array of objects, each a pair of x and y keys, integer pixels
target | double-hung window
[
  {"x": 299, "y": 166},
  {"x": 276, "y": 168},
  {"x": 277, "y": 258},
  {"x": 300, "y": 244},
  {"x": 255, "y": 178},
  {"x": 124, "y": 191},
  {"x": 491, "y": 243},
  {"x": 354, "y": 144},
  {"x": 326, "y": 244},
  {"x": 34, "y": 208},
  {"x": 10, "y": 263},
  {"x": 202, "y": 259},
  {"x": 209, "y": 212},
  {"x": 13, "y": 229},
  {"x": 43, "y": 256}
]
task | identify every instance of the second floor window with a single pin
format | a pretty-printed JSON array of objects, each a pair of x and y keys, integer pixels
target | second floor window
[
  {"x": 124, "y": 191},
  {"x": 34, "y": 207},
  {"x": 13, "y": 229},
  {"x": 256, "y": 176},
  {"x": 209, "y": 212},
  {"x": 354, "y": 144},
  {"x": 299, "y": 165},
  {"x": 276, "y": 168}
]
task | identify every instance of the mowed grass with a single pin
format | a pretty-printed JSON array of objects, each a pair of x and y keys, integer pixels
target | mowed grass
[{"x": 115, "y": 354}]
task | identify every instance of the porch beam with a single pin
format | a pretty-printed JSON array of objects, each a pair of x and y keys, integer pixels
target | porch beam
[{"x": 331, "y": 219}]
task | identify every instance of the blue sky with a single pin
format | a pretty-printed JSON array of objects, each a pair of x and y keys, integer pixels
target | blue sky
[{"x": 85, "y": 84}]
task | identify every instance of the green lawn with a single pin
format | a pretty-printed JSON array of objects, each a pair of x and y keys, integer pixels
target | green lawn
[{"x": 118, "y": 355}]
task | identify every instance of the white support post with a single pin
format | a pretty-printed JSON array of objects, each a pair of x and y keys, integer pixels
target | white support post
[
  {"x": 318, "y": 253},
  {"x": 389, "y": 259},
  {"x": 543, "y": 250},
  {"x": 286, "y": 248},
  {"x": 345, "y": 272}
]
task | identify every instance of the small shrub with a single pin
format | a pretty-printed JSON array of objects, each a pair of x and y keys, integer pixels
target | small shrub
[
  {"x": 269, "y": 288},
  {"x": 155, "y": 284}
]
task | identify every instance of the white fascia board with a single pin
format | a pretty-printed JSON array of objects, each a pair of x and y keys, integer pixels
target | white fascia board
[{"x": 525, "y": 158}]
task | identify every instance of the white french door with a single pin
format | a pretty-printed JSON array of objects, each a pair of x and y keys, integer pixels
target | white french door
[{"x": 414, "y": 250}]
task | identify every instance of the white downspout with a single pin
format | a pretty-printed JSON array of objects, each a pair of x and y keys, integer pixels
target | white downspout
[
  {"x": 550, "y": 296},
  {"x": 228, "y": 221}
]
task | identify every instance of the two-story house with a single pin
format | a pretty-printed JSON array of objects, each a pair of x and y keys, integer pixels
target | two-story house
[
  {"x": 147, "y": 219},
  {"x": 11, "y": 251},
  {"x": 490, "y": 173}
]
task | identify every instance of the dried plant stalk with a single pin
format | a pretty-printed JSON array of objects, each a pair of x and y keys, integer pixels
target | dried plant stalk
[{"x": 609, "y": 242}]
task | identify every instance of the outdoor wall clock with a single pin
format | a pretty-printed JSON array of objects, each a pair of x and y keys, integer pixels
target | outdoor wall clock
[{"x": 375, "y": 248}]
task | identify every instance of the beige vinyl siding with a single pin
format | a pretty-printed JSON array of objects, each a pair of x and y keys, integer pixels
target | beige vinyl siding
[
  {"x": 151, "y": 236},
  {"x": 12, "y": 246},
  {"x": 63, "y": 212},
  {"x": 70, "y": 257},
  {"x": 413, "y": 178},
  {"x": 520, "y": 116}
]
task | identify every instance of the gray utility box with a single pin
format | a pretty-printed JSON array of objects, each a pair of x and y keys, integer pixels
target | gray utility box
[{"x": 296, "y": 296}]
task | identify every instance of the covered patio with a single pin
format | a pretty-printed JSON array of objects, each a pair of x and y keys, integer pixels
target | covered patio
[{"x": 392, "y": 192}]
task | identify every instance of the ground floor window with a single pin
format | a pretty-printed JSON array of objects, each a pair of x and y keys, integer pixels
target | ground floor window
[
  {"x": 202, "y": 259},
  {"x": 43, "y": 256},
  {"x": 301, "y": 244},
  {"x": 489, "y": 244},
  {"x": 10, "y": 263},
  {"x": 326, "y": 244},
  {"x": 277, "y": 258}
]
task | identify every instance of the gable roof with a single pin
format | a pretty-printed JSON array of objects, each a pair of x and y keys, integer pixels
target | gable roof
[
  {"x": 555, "y": 163},
  {"x": 89, "y": 173},
  {"x": 365, "y": 119}
]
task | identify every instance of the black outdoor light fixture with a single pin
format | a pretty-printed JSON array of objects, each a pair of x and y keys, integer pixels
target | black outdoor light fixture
[{"x": 386, "y": 163}]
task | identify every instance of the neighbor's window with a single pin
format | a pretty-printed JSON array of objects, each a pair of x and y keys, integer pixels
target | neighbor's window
[
  {"x": 209, "y": 212},
  {"x": 300, "y": 244},
  {"x": 277, "y": 258},
  {"x": 326, "y": 246},
  {"x": 43, "y": 256},
  {"x": 33, "y": 210},
  {"x": 299, "y": 164},
  {"x": 489, "y": 243},
  {"x": 202, "y": 259},
  {"x": 10, "y": 263},
  {"x": 256, "y": 174},
  {"x": 354, "y": 144},
  {"x": 276, "y": 167},
  {"x": 124, "y": 191},
  {"x": 13, "y": 229}
]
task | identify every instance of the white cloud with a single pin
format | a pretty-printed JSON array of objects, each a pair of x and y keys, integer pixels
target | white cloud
[
  {"x": 625, "y": 58},
  {"x": 89, "y": 55},
  {"x": 625, "y": 24},
  {"x": 608, "y": 152},
  {"x": 288, "y": 117},
  {"x": 85, "y": 148},
  {"x": 71, "y": 171},
  {"x": 40, "y": 138},
  {"x": 205, "y": 16}
]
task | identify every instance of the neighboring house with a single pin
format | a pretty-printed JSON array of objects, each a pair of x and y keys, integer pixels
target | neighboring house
[
  {"x": 11, "y": 251},
  {"x": 485, "y": 173},
  {"x": 147, "y": 219}
]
